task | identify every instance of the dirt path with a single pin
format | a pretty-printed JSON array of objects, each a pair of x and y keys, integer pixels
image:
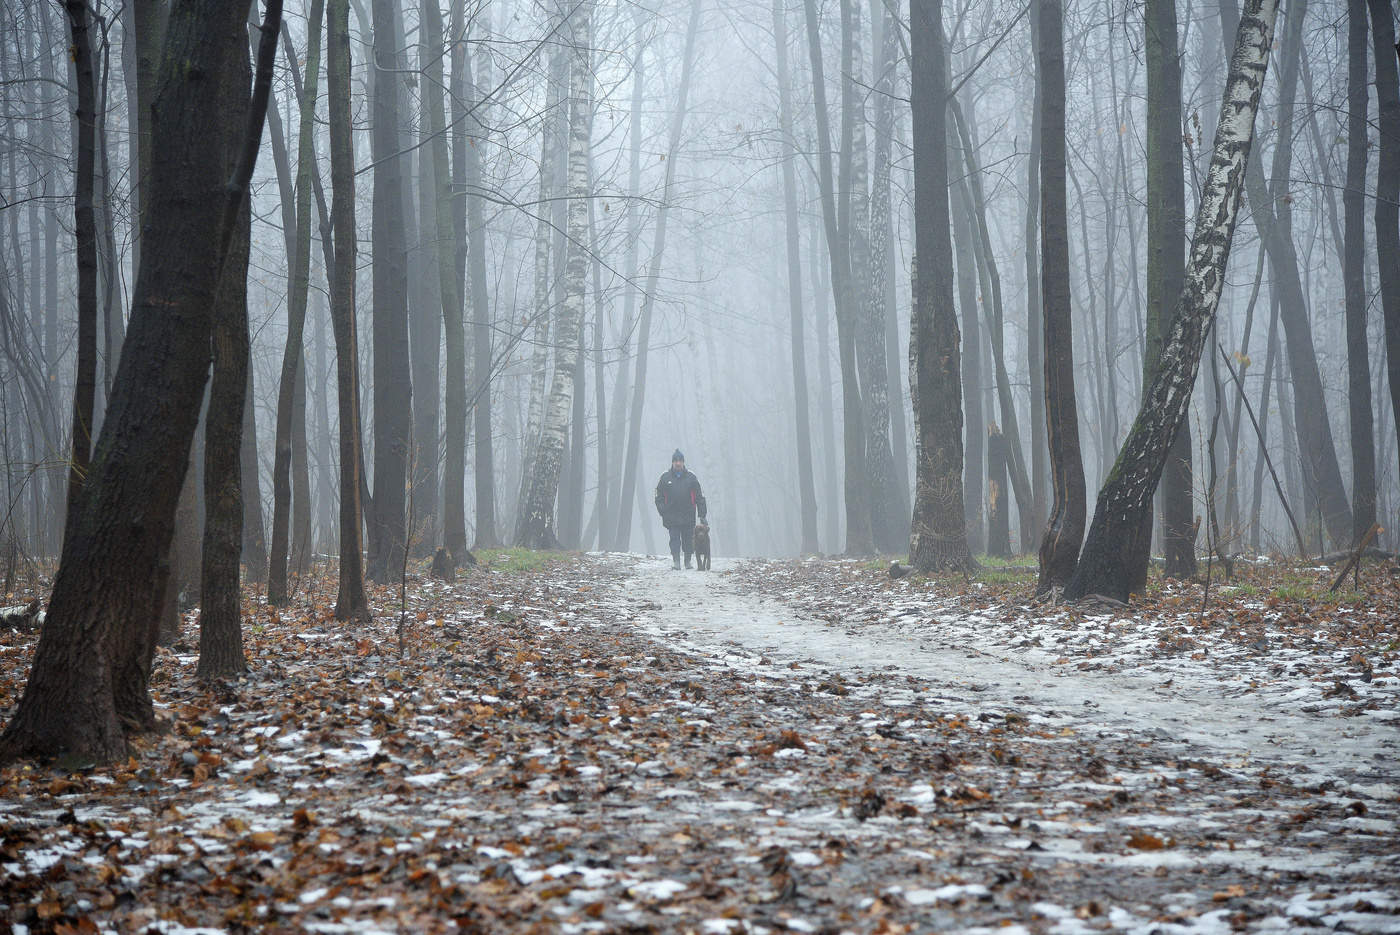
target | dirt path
[
  {"x": 1193, "y": 713},
  {"x": 599, "y": 744}
]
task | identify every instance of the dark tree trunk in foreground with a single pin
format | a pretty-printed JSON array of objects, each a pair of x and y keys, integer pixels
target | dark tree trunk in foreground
[
  {"x": 112, "y": 573},
  {"x": 805, "y": 484},
  {"x": 1064, "y": 528},
  {"x": 220, "y": 616},
  {"x": 1166, "y": 243},
  {"x": 85, "y": 234},
  {"x": 393, "y": 391},
  {"x": 351, "y": 602},
  {"x": 1105, "y": 564},
  {"x": 1388, "y": 190},
  {"x": 1362, "y": 421},
  {"x": 938, "y": 536}
]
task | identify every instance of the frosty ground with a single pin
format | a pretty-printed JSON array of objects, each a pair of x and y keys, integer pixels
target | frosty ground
[{"x": 598, "y": 743}]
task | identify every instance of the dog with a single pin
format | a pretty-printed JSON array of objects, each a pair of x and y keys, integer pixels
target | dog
[{"x": 702, "y": 547}]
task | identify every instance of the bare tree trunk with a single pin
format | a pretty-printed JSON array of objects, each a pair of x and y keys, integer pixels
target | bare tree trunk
[
  {"x": 998, "y": 518},
  {"x": 1270, "y": 362},
  {"x": 805, "y": 485},
  {"x": 602, "y": 505},
  {"x": 1166, "y": 238},
  {"x": 536, "y": 525},
  {"x": 85, "y": 231},
  {"x": 1104, "y": 564},
  {"x": 571, "y": 487},
  {"x": 543, "y": 311},
  {"x": 351, "y": 602},
  {"x": 425, "y": 331},
  {"x": 886, "y": 47},
  {"x": 87, "y": 683},
  {"x": 254, "y": 546},
  {"x": 482, "y": 319},
  {"x": 1322, "y": 477},
  {"x": 831, "y": 497},
  {"x": 393, "y": 389},
  {"x": 220, "y": 618},
  {"x": 976, "y": 435},
  {"x": 632, "y": 462},
  {"x": 888, "y": 513},
  {"x": 938, "y": 539},
  {"x": 609, "y": 532},
  {"x": 298, "y": 211},
  {"x": 1035, "y": 312},
  {"x": 1388, "y": 190},
  {"x": 1362, "y": 421},
  {"x": 454, "y": 521},
  {"x": 1059, "y": 546},
  {"x": 976, "y": 207},
  {"x": 838, "y": 243}
]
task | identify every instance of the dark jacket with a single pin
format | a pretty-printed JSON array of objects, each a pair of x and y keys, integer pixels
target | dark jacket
[{"x": 678, "y": 498}]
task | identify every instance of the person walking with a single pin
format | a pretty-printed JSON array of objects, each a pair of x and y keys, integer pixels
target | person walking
[{"x": 679, "y": 500}]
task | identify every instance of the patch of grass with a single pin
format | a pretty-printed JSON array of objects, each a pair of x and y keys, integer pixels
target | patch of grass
[
  {"x": 993, "y": 576},
  {"x": 996, "y": 561},
  {"x": 882, "y": 562},
  {"x": 518, "y": 559}
]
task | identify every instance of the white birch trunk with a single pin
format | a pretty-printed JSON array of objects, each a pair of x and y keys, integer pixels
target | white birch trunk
[
  {"x": 537, "y": 527},
  {"x": 1128, "y": 491}
]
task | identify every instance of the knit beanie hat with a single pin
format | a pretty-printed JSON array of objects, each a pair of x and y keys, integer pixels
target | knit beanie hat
[{"x": 677, "y": 455}]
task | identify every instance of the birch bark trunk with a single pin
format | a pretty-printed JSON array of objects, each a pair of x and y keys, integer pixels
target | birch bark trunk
[
  {"x": 536, "y": 528},
  {"x": 1127, "y": 494}
]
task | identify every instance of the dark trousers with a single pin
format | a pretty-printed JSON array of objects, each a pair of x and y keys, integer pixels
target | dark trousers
[{"x": 682, "y": 540}]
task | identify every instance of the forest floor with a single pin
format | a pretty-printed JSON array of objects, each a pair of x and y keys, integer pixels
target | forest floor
[{"x": 597, "y": 743}]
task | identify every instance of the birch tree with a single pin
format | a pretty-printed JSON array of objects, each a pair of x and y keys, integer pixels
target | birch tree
[
  {"x": 536, "y": 525},
  {"x": 1104, "y": 563}
]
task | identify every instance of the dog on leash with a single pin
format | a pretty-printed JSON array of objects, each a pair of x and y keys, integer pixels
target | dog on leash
[{"x": 702, "y": 547}]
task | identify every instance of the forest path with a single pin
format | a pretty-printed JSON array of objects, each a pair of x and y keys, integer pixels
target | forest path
[{"x": 1185, "y": 708}]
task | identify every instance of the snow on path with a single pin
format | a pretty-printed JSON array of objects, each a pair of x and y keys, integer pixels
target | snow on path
[{"x": 709, "y": 612}]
